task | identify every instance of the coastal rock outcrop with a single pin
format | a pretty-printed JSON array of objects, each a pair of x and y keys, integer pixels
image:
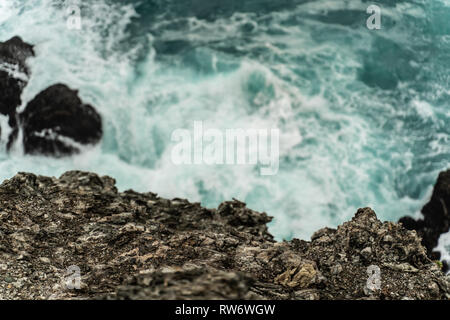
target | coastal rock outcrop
[
  {"x": 13, "y": 75},
  {"x": 57, "y": 123},
  {"x": 15, "y": 52},
  {"x": 436, "y": 215},
  {"x": 129, "y": 245}
]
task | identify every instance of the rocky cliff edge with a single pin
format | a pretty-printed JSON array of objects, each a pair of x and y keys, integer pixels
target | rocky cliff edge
[{"x": 139, "y": 246}]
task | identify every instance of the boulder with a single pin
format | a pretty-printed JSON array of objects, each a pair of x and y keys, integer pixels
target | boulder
[
  {"x": 15, "y": 52},
  {"x": 13, "y": 75},
  {"x": 436, "y": 217},
  {"x": 57, "y": 123}
]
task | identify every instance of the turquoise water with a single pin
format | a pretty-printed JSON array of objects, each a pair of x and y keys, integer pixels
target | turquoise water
[{"x": 364, "y": 114}]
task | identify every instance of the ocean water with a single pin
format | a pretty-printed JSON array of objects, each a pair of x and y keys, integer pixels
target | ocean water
[{"x": 364, "y": 115}]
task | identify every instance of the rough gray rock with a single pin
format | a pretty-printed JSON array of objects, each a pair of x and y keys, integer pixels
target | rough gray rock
[{"x": 138, "y": 246}]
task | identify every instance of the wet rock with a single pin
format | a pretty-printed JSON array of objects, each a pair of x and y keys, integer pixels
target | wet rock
[
  {"x": 10, "y": 91},
  {"x": 13, "y": 75},
  {"x": 57, "y": 123},
  {"x": 129, "y": 245},
  {"x": 15, "y": 52},
  {"x": 436, "y": 219}
]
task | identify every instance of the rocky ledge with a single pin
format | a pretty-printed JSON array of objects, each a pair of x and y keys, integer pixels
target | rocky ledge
[{"x": 139, "y": 246}]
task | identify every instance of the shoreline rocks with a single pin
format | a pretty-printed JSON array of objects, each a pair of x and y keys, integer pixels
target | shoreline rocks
[
  {"x": 130, "y": 245},
  {"x": 436, "y": 219},
  {"x": 13, "y": 75},
  {"x": 56, "y": 122},
  {"x": 15, "y": 52}
]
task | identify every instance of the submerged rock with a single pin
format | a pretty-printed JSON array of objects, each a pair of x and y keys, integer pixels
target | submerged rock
[
  {"x": 129, "y": 245},
  {"x": 436, "y": 219},
  {"x": 13, "y": 75},
  {"x": 57, "y": 123}
]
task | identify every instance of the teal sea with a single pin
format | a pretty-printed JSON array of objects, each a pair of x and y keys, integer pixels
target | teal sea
[{"x": 364, "y": 115}]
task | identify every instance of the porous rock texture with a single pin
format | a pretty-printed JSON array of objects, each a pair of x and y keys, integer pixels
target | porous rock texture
[{"x": 139, "y": 246}]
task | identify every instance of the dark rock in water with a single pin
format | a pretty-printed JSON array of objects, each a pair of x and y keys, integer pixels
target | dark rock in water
[
  {"x": 13, "y": 75},
  {"x": 436, "y": 216},
  {"x": 129, "y": 245},
  {"x": 16, "y": 52},
  {"x": 56, "y": 122},
  {"x": 10, "y": 91}
]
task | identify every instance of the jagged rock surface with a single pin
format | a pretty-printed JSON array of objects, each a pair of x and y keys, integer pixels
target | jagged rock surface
[{"x": 138, "y": 246}]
